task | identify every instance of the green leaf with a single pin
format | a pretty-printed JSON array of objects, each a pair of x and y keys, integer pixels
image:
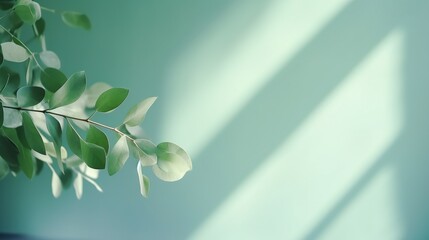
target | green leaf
[
  {"x": 143, "y": 180},
  {"x": 12, "y": 79},
  {"x": 70, "y": 91},
  {"x": 13, "y": 52},
  {"x": 32, "y": 134},
  {"x": 12, "y": 118},
  {"x": 40, "y": 26},
  {"x": 52, "y": 79},
  {"x": 4, "y": 168},
  {"x": 173, "y": 162},
  {"x": 4, "y": 79},
  {"x": 29, "y": 96},
  {"x": 93, "y": 155},
  {"x": 76, "y": 19},
  {"x": 8, "y": 149},
  {"x": 28, "y": 11},
  {"x": 26, "y": 162},
  {"x": 118, "y": 156},
  {"x": 1, "y": 114},
  {"x": 54, "y": 129},
  {"x": 39, "y": 166},
  {"x": 146, "y": 152},
  {"x": 73, "y": 140},
  {"x": 50, "y": 59},
  {"x": 97, "y": 137},
  {"x": 111, "y": 99},
  {"x": 66, "y": 178},
  {"x": 137, "y": 113}
]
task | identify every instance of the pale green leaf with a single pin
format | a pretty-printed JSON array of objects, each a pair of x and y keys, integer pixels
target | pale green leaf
[
  {"x": 55, "y": 184},
  {"x": 78, "y": 186},
  {"x": 146, "y": 152},
  {"x": 73, "y": 140},
  {"x": 143, "y": 180},
  {"x": 50, "y": 59},
  {"x": 52, "y": 79},
  {"x": 70, "y": 91},
  {"x": 76, "y": 19},
  {"x": 118, "y": 156},
  {"x": 29, "y": 96},
  {"x": 54, "y": 129},
  {"x": 13, "y": 52},
  {"x": 32, "y": 134},
  {"x": 111, "y": 99},
  {"x": 12, "y": 118},
  {"x": 28, "y": 11},
  {"x": 4, "y": 168},
  {"x": 93, "y": 155},
  {"x": 137, "y": 113},
  {"x": 97, "y": 137},
  {"x": 173, "y": 162}
]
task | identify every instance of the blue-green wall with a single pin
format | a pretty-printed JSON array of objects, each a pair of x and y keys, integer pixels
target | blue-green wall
[{"x": 304, "y": 119}]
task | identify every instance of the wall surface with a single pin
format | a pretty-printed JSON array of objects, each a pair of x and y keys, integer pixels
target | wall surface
[{"x": 304, "y": 119}]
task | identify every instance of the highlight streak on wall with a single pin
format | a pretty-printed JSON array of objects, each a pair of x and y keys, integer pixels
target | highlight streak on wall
[
  {"x": 232, "y": 60},
  {"x": 316, "y": 167}
]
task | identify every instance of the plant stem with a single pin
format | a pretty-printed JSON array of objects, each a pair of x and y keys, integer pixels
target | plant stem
[{"x": 73, "y": 118}]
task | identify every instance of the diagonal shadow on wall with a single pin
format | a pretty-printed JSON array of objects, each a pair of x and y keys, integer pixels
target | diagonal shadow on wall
[{"x": 280, "y": 106}]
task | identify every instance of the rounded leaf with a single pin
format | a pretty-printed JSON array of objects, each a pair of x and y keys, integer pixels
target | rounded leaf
[
  {"x": 173, "y": 162},
  {"x": 52, "y": 79},
  {"x": 13, "y": 52},
  {"x": 118, "y": 156},
  {"x": 146, "y": 152},
  {"x": 56, "y": 185},
  {"x": 68, "y": 93},
  {"x": 93, "y": 155},
  {"x": 137, "y": 113},
  {"x": 28, "y": 11},
  {"x": 143, "y": 181},
  {"x": 111, "y": 99},
  {"x": 32, "y": 134},
  {"x": 76, "y": 19},
  {"x": 30, "y": 96},
  {"x": 50, "y": 59},
  {"x": 96, "y": 136},
  {"x": 27, "y": 162}
]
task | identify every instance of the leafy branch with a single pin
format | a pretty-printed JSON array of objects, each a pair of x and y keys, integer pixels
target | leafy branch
[{"x": 48, "y": 117}]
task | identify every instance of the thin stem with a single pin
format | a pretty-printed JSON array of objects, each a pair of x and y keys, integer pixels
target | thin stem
[
  {"x": 23, "y": 45},
  {"x": 73, "y": 118},
  {"x": 48, "y": 9}
]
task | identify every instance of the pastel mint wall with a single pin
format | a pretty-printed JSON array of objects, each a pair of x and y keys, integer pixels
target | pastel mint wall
[{"x": 304, "y": 119}]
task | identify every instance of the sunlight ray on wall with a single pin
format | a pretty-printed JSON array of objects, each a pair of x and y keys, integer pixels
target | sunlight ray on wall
[
  {"x": 320, "y": 162},
  {"x": 231, "y": 60}
]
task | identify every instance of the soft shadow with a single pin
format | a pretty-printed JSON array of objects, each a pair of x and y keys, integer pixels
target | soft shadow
[{"x": 279, "y": 107}]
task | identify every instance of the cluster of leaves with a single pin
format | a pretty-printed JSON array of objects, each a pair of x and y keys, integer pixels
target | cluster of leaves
[{"x": 46, "y": 119}]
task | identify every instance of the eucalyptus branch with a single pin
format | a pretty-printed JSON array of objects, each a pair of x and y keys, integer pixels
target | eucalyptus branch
[{"x": 46, "y": 111}]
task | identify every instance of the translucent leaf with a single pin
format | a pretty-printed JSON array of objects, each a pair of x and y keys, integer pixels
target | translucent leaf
[
  {"x": 32, "y": 134},
  {"x": 54, "y": 129},
  {"x": 76, "y": 19},
  {"x": 89, "y": 172},
  {"x": 12, "y": 118},
  {"x": 28, "y": 11},
  {"x": 70, "y": 91},
  {"x": 147, "y": 152},
  {"x": 73, "y": 140},
  {"x": 26, "y": 162},
  {"x": 137, "y": 113},
  {"x": 52, "y": 79},
  {"x": 50, "y": 59},
  {"x": 13, "y": 52},
  {"x": 78, "y": 186},
  {"x": 4, "y": 168},
  {"x": 93, "y": 155},
  {"x": 173, "y": 162},
  {"x": 96, "y": 136},
  {"x": 143, "y": 180},
  {"x": 29, "y": 96},
  {"x": 56, "y": 184},
  {"x": 118, "y": 156},
  {"x": 111, "y": 99},
  {"x": 40, "y": 26}
]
